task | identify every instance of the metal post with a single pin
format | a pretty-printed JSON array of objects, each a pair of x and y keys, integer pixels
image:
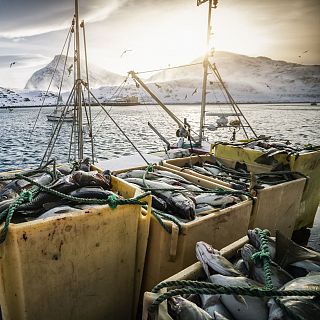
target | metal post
[
  {"x": 205, "y": 76},
  {"x": 78, "y": 85}
]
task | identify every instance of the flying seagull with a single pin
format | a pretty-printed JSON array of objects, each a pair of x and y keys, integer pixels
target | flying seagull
[
  {"x": 12, "y": 63},
  {"x": 70, "y": 69},
  {"x": 195, "y": 91},
  {"x": 268, "y": 86},
  {"x": 186, "y": 97},
  {"x": 306, "y": 51},
  {"x": 124, "y": 52},
  {"x": 158, "y": 86}
]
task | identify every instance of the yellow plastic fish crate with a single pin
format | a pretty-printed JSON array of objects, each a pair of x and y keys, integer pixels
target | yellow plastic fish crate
[
  {"x": 306, "y": 163},
  {"x": 167, "y": 253},
  {"x": 276, "y": 207},
  {"x": 76, "y": 266},
  {"x": 193, "y": 272}
]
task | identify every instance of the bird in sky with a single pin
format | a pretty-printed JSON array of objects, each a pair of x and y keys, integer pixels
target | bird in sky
[
  {"x": 124, "y": 52},
  {"x": 70, "y": 69},
  {"x": 12, "y": 63},
  {"x": 195, "y": 91},
  {"x": 268, "y": 86},
  {"x": 158, "y": 86},
  {"x": 186, "y": 97},
  {"x": 299, "y": 56},
  {"x": 306, "y": 51}
]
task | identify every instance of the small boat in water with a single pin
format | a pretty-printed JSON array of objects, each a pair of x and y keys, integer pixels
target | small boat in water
[{"x": 57, "y": 114}]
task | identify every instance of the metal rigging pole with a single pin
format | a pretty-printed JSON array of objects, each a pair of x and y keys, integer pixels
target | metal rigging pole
[
  {"x": 212, "y": 5},
  {"x": 78, "y": 94}
]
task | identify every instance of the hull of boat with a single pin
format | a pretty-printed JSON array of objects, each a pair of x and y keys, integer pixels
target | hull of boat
[{"x": 57, "y": 118}]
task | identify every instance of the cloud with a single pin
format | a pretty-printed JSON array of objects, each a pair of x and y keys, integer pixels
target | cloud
[
  {"x": 33, "y": 17},
  {"x": 22, "y": 60}
]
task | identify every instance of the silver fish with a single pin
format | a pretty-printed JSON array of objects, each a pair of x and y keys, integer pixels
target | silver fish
[
  {"x": 201, "y": 208},
  {"x": 177, "y": 203},
  {"x": 211, "y": 259},
  {"x": 92, "y": 193},
  {"x": 307, "y": 308},
  {"x": 216, "y": 200},
  {"x": 213, "y": 305},
  {"x": 242, "y": 267},
  {"x": 256, "y": 242},
  {"x": 242, "y": 307},
  {"x": 182, "y": 309},
  {"x": 278, "y": 276}
]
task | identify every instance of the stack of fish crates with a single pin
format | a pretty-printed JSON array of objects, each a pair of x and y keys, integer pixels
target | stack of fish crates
[
  {"x": 168, "y": 253},
  {"x": 82, "y": 265},
  {"x": 276, "y": 207}
]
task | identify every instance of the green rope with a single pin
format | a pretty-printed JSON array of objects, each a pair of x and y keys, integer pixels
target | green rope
[
  {"x": 264, "y": 256},
  {"x": 25, "y": 196},
  {"x": 197, "y": 287},
  {"x": 110, "y": 200}
]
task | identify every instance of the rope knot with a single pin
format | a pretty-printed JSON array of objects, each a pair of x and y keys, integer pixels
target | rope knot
[
  {"x": 113, "y": 201},
  {"x": 26, "y": 195},
  {"x": 260, "y": 256}
]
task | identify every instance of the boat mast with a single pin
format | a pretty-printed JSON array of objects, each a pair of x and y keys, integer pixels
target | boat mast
[
  {"x": 212, "y": 5},
  {"x": 78, "y": 89}
]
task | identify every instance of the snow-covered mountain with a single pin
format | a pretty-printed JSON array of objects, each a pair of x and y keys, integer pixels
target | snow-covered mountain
[
  {"x": 248, "y": 79},
  {"x": 40, "y": 79}
]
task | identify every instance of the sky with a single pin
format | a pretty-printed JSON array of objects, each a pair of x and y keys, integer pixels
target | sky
[{"x": 156, "y": 33}]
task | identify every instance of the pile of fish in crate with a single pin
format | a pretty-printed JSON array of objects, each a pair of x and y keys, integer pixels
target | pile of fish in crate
[
  {"x": 242, "y": 266},
  {"x": 269, "y": 155},
  {"x": 278, "y": 193},
  {"x": 68, "y": 234},
  {"x": 185, "y": 209}
]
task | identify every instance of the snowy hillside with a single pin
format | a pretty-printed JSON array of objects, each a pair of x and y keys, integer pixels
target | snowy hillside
[
  {"x": 248, "y": 80},
  {"x": 97, "y": 76}
]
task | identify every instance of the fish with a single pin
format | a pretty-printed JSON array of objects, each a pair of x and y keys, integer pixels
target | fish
[
  {"x": 135, "y": 174},
  {"x": 278, "y": 276},
  {"x": 92, "y": 178},
  {"x": 92, "y": 193},
  {"x": 211, "y": 259},
  {"x": 302, "y": 268},
  {"x": 216, "y": 200},
  {"x": 183, "y": 309},
  {"x": 215, "y": 171},
  {"x": 158, "y": 203},
  {"x": 177, "y": 203},
  {"x": 307, "y": 308},
  {"x": 14, "y": 188},
  {"x": 242, "y": 307},
  {"x": 289, "y": 252},
  {"x": 191, "y": 187},
  {"x": 201, "y": 170},
  {"x": 58, "y": 210},
  {"x": 5, "y": 204},
  {"x": 254, "y": 239},
  {"x": 242, "y": 267},
  {"x": 214, "y": 307},
  {"x": 201, "y": 208}
]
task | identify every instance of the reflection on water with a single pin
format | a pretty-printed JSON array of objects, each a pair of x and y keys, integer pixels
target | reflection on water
[{"x": 297, "y": 123}]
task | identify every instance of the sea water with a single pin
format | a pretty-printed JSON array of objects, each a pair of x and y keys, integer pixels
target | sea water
[{"x": 25, "y": 133}]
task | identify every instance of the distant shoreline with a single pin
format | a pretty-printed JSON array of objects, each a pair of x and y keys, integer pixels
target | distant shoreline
[{"x": 172, "y": 104}]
